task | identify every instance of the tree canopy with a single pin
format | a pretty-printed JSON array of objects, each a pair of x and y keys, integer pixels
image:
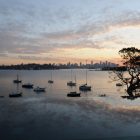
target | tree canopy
[{"x": 131, "y": 77}]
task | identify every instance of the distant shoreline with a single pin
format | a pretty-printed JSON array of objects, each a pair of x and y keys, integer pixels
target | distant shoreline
[
  {"x": 61, "y": 66},
  {"x": 60, "y": 69}
]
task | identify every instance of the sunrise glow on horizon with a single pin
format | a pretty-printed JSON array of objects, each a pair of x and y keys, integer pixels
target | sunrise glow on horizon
[{"x": 52, "y": 31}]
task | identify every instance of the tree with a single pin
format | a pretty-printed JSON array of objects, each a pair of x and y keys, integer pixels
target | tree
[{"x": 130, "y": 77}]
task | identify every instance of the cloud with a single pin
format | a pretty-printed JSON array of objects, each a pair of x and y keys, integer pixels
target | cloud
[
  {"x": 30, "y": 28},
  {"x": 3, "y": 55},
  {"x": 94, "y": 35}
]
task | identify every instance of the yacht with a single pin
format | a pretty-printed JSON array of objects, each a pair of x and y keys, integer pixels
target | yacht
[
  {"x": 39, "y": 89},
  {"x": 15, "y": 94},
  {"x": 71, "y": 83},
  {"x": 17, "y": 80},
  {"x": 50, "y": 81},
  {"x": 28, "y": 85},
  {"x": 73, "y": 94},
  {"x": 85, "y": 87}
]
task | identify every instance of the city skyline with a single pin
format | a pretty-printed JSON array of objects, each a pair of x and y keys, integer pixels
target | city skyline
[
  {"x": 102, "y": 65},
  {"x": 48, "y": 31}
]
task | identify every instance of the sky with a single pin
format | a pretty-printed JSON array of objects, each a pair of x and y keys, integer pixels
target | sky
[{"x": 59, "y": 31}]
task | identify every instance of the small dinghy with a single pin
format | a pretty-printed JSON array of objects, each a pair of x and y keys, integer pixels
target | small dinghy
[
  {"x": 50, "y": 81},
  {"x": 1, "y": 96},
  {"x": 102, "y": 95},
  {"x": 119, "y": 84}
]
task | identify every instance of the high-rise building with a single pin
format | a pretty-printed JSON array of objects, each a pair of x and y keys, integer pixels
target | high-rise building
[{"x": 80, "y": 64}]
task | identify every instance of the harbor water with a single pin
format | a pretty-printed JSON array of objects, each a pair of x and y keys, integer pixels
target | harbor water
[{"x": 53, "y": 115}]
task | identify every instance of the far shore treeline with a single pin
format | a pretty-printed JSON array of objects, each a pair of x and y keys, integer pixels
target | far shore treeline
[{"x": 34, "y": 66}]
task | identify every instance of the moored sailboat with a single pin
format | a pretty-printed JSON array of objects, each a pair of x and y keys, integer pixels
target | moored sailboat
[
  {"x": 51, "y": 81},
  {"x": 71, "y": 83},
  {"x": 17, "y": 80},
  {"x": 39, "y": 89},
  {"x": 85, "y": 87},
  {"x": 73, "y": 94},
  {"x": 17, "y": 93},
  {"x": 27, "y": 85}
]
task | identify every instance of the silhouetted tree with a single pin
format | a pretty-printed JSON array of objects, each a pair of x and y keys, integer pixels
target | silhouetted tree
[{"x": 130, "y": 77}]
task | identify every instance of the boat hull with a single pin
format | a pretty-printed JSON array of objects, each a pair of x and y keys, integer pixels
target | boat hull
[
  {"x": 119, "y": 85},
  {"x": 27, "y": 86},
  {"x": 50, "y": 81},
  {"x": 71, "y": 84},
  {"x": 73, "y": 94},
  {"x": 17, "y": 81},
  {"x": 15, "y": 95},
  {"x": 85, "y": 88},
  {"x": 39, "y": 90}
]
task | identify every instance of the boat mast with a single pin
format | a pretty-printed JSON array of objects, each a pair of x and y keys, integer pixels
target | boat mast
[
  {"x": 51, "y": 74},
  {"x": 17, "y": 77},
  {"x": 17, "y": 88},
  {"x": 71, "y": 74},
  {"x": 75, "y": 78},
  {"x": 86, "y": 71}
]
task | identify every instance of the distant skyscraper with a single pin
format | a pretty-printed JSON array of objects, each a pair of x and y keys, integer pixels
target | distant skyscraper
[
  {"x": 68, "y": 64},
  {"x": 100, "y": 64},
  {"x": 106, "y": 63},
  {"x": 80, "y": 64}
]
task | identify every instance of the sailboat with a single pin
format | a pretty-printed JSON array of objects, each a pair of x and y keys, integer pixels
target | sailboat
[
  {"x": 17, "y": 80},
  {"x": 39, "y": 89},
  {"x": 85, "y": 87},
  {"x": 50, "y": 81},
  {"x": 73, "y": 94},
  {"x": 27, "y": 85},
  {"x": 16, "y": 93},
  {"x": 71, "y": 83}
]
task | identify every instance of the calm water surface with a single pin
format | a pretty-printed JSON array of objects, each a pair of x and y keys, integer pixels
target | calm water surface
[
  {"x": 97, "y": 79},
  {"x": 52, "y": 115}
]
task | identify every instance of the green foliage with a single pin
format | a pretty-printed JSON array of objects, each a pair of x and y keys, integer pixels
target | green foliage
[
  {"x": 131, "y": 56},
  {"x": 131, "y": 60}
]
